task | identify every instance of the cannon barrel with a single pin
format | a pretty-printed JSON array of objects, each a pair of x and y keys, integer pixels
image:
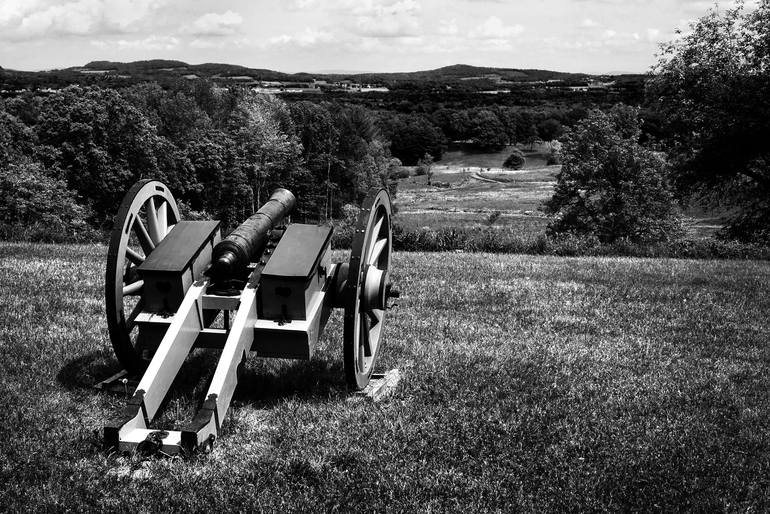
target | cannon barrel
[{"x": 248, "y": 240}]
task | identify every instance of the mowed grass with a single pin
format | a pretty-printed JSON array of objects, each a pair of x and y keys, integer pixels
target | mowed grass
[
  {"x": 528, "y": 383},
  {"x": 536, "y": 157}
]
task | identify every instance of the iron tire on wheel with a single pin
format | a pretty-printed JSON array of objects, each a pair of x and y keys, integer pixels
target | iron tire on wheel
[
  {"x": 370, "y": 255},
  {"x": 148, "y": 211}
]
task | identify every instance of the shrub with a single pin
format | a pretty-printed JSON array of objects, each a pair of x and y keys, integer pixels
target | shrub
[
  {"x": 515, "y": 161},
  {"x": 610, "y": 186},
  {"x": 36, "y": 207},
  {"x": 344, "y": 228},
  {"x": 399, "y": 173},
  {"x": 425, "y": 166},
  {"x": 508, "y": 240},
  {"x": 492, "y": 217},
  {"x": 554, "y": 157}
]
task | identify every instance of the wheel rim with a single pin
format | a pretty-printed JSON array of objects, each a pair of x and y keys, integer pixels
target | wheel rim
[
  {"x": 146, "y": 215},
  {"x": 364, "y": 307}
]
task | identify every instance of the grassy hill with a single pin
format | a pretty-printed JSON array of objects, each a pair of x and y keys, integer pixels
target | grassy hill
[
  {"x": 161, "y": 70},
  {"x": 529, "y": 383}
]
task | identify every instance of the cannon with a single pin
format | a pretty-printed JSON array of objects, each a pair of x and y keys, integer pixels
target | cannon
[{"x": 267, "y": 288}]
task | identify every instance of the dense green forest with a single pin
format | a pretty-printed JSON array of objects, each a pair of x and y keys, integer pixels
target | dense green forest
[
  {"x": 221, "y": 149},
  {"x": 69, "y": 157}
]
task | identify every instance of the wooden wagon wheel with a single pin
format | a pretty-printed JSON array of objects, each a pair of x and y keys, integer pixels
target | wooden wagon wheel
[
  {"x": 146, "y": 215},
  {"x": 366, "y": 291}
]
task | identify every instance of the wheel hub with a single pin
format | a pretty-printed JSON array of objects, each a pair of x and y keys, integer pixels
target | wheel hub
[{"x": 374, "y": 294}]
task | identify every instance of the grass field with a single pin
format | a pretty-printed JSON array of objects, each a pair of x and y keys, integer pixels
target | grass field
[
  {"x": 467, "y": 193},
  {"x": 529, "y": 383},
  {"x": 459, "y": 158},
  {"x": 469, "y": 198}
]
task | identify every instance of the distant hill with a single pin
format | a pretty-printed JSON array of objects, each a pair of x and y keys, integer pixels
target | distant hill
[
  {"x": 206, "y": 70},
  {"x": 452, "y": 73},
  {"x": 163, "y": 70},
  {"x": 466, "y": 72}
]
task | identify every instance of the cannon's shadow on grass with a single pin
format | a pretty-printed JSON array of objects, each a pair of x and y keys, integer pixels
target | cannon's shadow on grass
[
  {"x": 263, "y": 382},
  {"x": 269, "y": 382},
  {"x": 87, "y": 370}
]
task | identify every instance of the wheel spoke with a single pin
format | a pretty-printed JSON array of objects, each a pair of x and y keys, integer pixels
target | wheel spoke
[
  {"x": 152, "y": 222},
  {"x": 375, "y": 235},
  {"x": 375, "y": 316},
  {"x": 130, "y": 322},
  {"x": 163, "y": 218},
  {"x": 133, "y": 288},
  {"x": 379, "y": 246},
  {"x": 360, "y": 358},
  {"x": 134, "y": 256},
  {"x": 375, "y": 330},
  {"x": 365, "y": 342},
  {"x": 144, "y": 238}
]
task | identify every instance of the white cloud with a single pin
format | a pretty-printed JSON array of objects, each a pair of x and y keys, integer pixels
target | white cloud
[
  {"x": 20, "y": 20},
  {"x": 448, "y": 27},
  {"x": 359, "y": 7},
  {"x": 379, "y": 8},
  {"x": 494, "y": 28},
  {"x": 653, "y": 35},
  {"x": 220, "y": 43},
  {"x": 214, "y": 24},
  {"x": 370, "y": 18},
  {"x": 390, "y": 26},
  {"x": 148, "y": 43},
  {"x": 589, "y": 23},
  {"x": 307, "y": 38}
]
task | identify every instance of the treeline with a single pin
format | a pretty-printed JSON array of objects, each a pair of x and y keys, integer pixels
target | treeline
[
  {"x": 424, "y": 122},
  {"x": 428, "y": 123},
  {"x": 482, "y": 129},
  {"x": 66, "y": 159}
]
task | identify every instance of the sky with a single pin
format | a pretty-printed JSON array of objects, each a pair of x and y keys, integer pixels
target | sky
[{"x": 591, "y": 36}]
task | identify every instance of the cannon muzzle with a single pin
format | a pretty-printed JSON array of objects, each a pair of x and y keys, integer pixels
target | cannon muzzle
[{"x": 248, "y": 240}]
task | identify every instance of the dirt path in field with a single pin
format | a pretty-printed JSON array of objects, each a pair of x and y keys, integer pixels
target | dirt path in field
[
  {"x": 476, "y": 176},
  {"x": 461, "y": 211},
  {"x": 470, "y": 170}
]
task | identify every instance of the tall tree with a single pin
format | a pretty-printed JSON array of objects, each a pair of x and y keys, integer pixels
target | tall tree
[
  {"x": 268, "y": 150},
  {"x": 104, "y": 145},
  {"x": 486, "y": 131},
  {"x": 412, "y": 136},
  {"x": 611, "y": 186},
  {"x": 712, "y": 86}
]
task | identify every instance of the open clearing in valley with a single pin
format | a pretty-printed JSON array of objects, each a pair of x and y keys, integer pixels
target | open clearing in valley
[
  {"x": 467, "y": 187},
  {"x": 538, "y": 383}
]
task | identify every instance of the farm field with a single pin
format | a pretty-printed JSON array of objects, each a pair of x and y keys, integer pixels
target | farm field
[
  {"x": 528, "y": 383},
  {"x": 465, "y": 194}
]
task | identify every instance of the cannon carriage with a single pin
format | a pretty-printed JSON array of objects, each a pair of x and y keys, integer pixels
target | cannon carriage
[{"x": 270, "y": 283}]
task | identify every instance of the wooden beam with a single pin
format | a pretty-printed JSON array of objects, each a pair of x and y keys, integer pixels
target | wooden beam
[{"x": 173, "y": 349}]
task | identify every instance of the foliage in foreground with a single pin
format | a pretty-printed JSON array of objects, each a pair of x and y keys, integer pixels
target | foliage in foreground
[
  {"x": 610, "y": 186},
  {"x": 712, "y": 89},
  {"x": 529, "y": 384}
]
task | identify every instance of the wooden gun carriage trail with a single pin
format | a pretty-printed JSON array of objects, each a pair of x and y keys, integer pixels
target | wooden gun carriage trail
[{"x": 270, "y": 283}]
